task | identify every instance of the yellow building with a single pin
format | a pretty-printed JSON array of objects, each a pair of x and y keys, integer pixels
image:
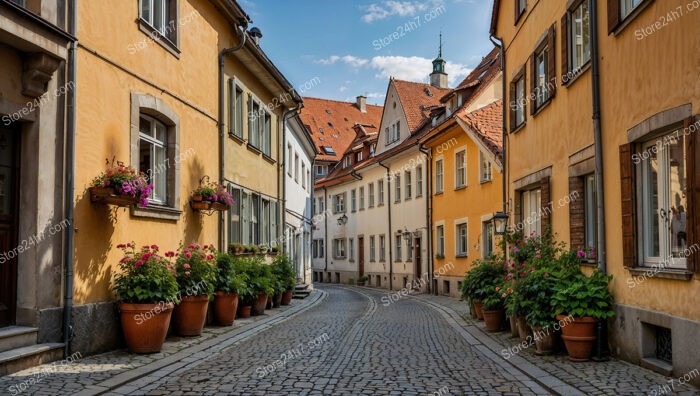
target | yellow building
[
  {"x": 645, "y": 82},
  {"x": 465, "y": 174}
]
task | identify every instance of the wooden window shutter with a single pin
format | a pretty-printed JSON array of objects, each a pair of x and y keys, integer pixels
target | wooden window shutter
[
  {"x": 577, "y": 221},
  {"x": 693, "y": 209},
  {"x": 546, "y": 202},
  {"x": 628, "y": 207},
  {"x": 533, "y": 79},
  {"x": 613, "y": 15},
  {"x": 564, "y": 48},
  {"x": 513, "y": 104},
  {"x": 552, "y": 61}
]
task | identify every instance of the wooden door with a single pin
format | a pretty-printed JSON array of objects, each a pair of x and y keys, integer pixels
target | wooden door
[
  {"x": 416, "y": 254},
  {"x": 8, "y": 226},
  {"x": 361, "y": 255}
]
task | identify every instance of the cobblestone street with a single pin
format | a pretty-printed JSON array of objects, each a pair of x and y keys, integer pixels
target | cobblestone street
[{"x": 344, "y": 341}]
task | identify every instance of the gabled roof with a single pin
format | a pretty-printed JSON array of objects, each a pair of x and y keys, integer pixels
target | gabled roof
[
  {"x": 494, "y": 16},
  {"x": 417, "y": 100},
  {"x": 484, "y": 72},
  {"x": 331, "y": 124},
  {"x": 487, "y": 122}
]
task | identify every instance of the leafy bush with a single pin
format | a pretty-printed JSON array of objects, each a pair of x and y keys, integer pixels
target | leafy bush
[
  {"x": 582, "y": 296},
  {"x": 228, "y": 280},
  {"x": 125, "y": 180},
  {"x": 195, "y": 268},
  {"x": 481, "y": 281},
  {"x": 145, "y": 277},
  {"x": 283, "y": 269}
]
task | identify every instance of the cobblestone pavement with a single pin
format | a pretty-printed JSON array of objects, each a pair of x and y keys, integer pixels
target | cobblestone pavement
[{"x": 347, "y": 341}]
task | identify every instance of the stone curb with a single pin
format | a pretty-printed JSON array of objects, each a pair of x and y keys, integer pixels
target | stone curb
[{"x": 200, "y": 352}]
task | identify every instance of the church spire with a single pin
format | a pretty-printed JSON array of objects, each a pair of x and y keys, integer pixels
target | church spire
[{"x": 438, "y": 78}]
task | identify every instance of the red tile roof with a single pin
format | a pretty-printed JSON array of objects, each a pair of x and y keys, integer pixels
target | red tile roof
[
  {"x": 488, "y": 68},
  {"x": 487, "y": 122},
  {"x": 331, "y": 124},
  {"x": 416, "y": 100}
]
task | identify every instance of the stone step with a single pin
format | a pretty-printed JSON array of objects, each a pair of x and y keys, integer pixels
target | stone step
[
  {"x": 29, "y": 356},
  {"x": 17, "y": 336},
  {"x": 301, "y": 286}
]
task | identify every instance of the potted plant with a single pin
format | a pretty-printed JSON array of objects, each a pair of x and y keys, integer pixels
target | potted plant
[
  {"x": 535, "y": 293},
  {"x": 196, "y": 278},
  {"x": 494, "y": 308},
  {"x": 228, "y": 287},
  {"x": 580, "y": 303},
  {"x": 120, "y": 185},
  {"x": 362, "y": 280},
  {"x": 146, "y": 289},
  {"x": 274, "y": 250},
  {"x": 260, "y": 276},
  {"x": 480, "y": 282},
  {"x": 210, "y": 195},
  {"x": 283, "y": 268},
  {"x": 263, "y": 248}
]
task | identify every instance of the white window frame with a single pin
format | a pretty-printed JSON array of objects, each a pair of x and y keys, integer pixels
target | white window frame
[
  {"x": 627, "y": 6},
  {"x": 339, "y": 251},
  {"x": 380, "y": 192},
  {"x": 485, "y": 168},
  {"x": 372, "y": 247},
  {"x": 440, "y": 239},
  {"x": 439, "y": 175},
  {"x": 419, "y": 181},
  {"x": 382, "y": 248},
  {"x": 156, "y": 176},
  {"x": 531, "y": 211},
  {"x": 361, "y": 193},
  {"x": 339, "y": 203},
  {"x": 398, "y": 244},
  {"x": 370, "y": 195},
  {"x": 577, "y": 47},
  {"x": 461, "y": 240},
  {"x": 407, "y": 184},
  {"x": 520, "y": 101},
  {"x": 487, "y": 237},
  {"x": 353, "y": 200},
  {"x": 460, "y": 168},
  {"x": 351, "y": 249},
  {"x": 397, "y": 187}
]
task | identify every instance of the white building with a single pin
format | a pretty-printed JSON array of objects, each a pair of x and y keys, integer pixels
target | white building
[{"x": 299, "y": 154}]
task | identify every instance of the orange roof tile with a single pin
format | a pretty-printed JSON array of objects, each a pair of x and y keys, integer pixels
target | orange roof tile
[
  {"x": 417, "y": 100},
  {"x": 487, "y": 122},
  {"x": 331, "y": 124}
]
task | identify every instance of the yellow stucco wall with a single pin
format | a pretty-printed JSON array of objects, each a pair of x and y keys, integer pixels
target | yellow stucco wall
[
  {"x": 110, "y": 68},
  {"x": 476, "y": 200},
  {"x": 639, "y": 78}
]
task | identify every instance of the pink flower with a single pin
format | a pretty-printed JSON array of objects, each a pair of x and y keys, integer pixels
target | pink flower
[
  {"x": 187, "y": 265},
  {"x": 121, "y": 246},
  {"x": 538, "y": 256},
  {"x": 125, "y": 259},
  {"x": 202, "y": 255},
  {"x": 188, "y": 254},
  {"x": 503, "y": 295},
  {"x": 581, "y": 254},
  {"x": 187, "y": 272},
  {"x": 524, "y": 273},
  {"x": 138, "y": 263},
  {"x": 522, "y": 265},
  {"x": 169, "y": 254},
  {"x": 546, "y": 274},
  {"x": 154, "y": 247},
  {"x": 210, "y": 257},
  {"x": 191, "y": 246}
]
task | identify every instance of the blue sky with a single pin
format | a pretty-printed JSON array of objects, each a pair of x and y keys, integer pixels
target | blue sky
[{"x": 351, "y": 48}]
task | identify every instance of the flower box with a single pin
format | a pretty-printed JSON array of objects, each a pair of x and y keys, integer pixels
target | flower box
[
  {"x": 200, "y": 205},
  {"x": 218, "y": 206},
  {"x": 107, "y": 195}
]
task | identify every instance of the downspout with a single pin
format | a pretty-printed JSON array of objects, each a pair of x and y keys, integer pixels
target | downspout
[
  {"x": 602, "y": 350},
  {"x": 390, "y": 241},
  {"x": 325, "y": 230},
  {"x": 429, "y": 213},
  {"x": 354, "y": 174},
  {"x": 283, "y": 163},
  {"x": 222, "y": 126},
  {"x": 498, "y": 42},
  {"x": 70, "y": 182}
]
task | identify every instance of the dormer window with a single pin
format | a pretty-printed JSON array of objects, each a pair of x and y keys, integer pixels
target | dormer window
[{"x": 328, "y": 150}]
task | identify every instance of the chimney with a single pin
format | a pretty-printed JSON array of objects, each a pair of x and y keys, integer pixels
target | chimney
[
  {"x": 362, "y": 103},
  {"x": 256, "y": 35}
]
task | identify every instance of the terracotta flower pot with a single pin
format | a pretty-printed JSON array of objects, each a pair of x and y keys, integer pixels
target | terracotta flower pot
[
  {"x": 494, "y": 320},
  {"x": 244, "y": 311},
  {"x": 277, "y": 300},
  {"x": 259, "y": 303},
  {"x": 524, "y": 329},
  {"x": 219, "y": 206},
  {"x": 513, "y": 326},
  {"x": 268, "y": 305},
  {"x": 578, "y": 335},
  {"x": 190, "y": 314},
  {"x": 197, "y": 197},
  {"x": 479, "y": 309},
  {"x": 145, "y": 326},
  {"x": 287, "y": 297},
  {"x": 225, "y": 306},
  {"x": 544, "y": 340}
]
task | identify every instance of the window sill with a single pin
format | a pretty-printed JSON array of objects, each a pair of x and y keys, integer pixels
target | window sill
[
  {"x": 542, "y": 107},
  {"x": 236, "y": 138},
  {"x": 407, "y": 199},
  {"x": 371, "y": 261},
  {"x": 362, "y": 209},
  {"x": 485, "y": 181},
  {"x": 460, "y": 188},
  {"x": 157, "y": 212},
  {"x": 665, "y": 273},
  {"x": 419, "y": 196},
  {"x": 589, "y": 263},
  {"x": 439, "y": 193},
  {"x": 632, "y": 16},
  {"x": 253, "y": 148},
  {"x": 519, "y": 127},
  {"x": 583, "y": 71},
  {"x": 271, "y": 161},
  {"x": 380, "y": 205},
  {"x": 155, "y": 35},
  {"x": 461, "y": 255}
]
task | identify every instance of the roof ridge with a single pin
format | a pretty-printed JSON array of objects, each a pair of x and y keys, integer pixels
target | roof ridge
[{"x": 335, "y": 100}]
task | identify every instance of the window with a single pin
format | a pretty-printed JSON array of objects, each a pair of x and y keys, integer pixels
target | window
[
  {"x": 540, "y": 78},
  {"x": 485, "y": 166},
  {"x": 296, "y": 167},
  {"x": 259, "y": 127},
  {"x": 380, "y": 192},
  {"x": 371, "y": 248},
  {"x": 339, "y": 248},
  {"x": 347, "y": 161},
  {"x": 308, "y": 179},
  {"x": 319, "y": 170},
  {"x": 627, "y": 6},
  {"x": 392, "y": 133},
  {"x": 245, "y": 218},
  {"x": 303, "y": 175},
  {"x": 320, "y": 205},
  {"x": 543, "y": 82},
  {"x": 440, "y": 236},
  {"x": 235, "y": 109},
  {"x": 235, "y": 217},
  {"x": 461, "y": 242},
  {"x": 407, "y": 181},
  {"x": 531, "y": 212},
  {"x": 461, "y": 169},
  {"x": 589, "y": 211},
  {"x": 351, "y": 249},
  {"x": 579, "y": 36},
  {"x": 382, "y": 248},
  {"x": 328, "y": 150},
  {"x": 289, "y": 161},
  {"x": 487, "y": 235},
  {"x": 339, "y": 203},
  {"x": 254, "y": 219},
  {"x": 153, "y": 156},
  {"x": 409, "y": 250},
  {"x": 439, "y": 174},
  {"x": 664, "y": 201},
  {"x": 520, "y": 6},
  {"x": 321, "y": 248},
  {"x": 353, "y": 200},
  {"x": 396, "y": 131},
  {"x": 362, "y": 198},
  {"x": 253, "y": 136},
  {"x": 265, "y": 215},
  {"x": 371, "y": 194},
  {"x": 160, "y": 15},
  {"x": 397, "y": 188},
  {"x": 397, "y": 240},
  {"x": 314, "y": 249},
  {"x": 419, "y": 181},
  {"x": 358, "y": 156},
  {"x": 518, "y": 102}
]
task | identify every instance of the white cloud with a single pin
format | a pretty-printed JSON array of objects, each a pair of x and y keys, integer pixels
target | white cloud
[
  {"x": 387, "y": 8},
  {"x": 343, "y": 88},
  {"x": 348, "y": 59}
]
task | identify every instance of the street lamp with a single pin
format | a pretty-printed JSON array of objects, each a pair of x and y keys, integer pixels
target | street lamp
[
  {"x": 342, "y": 220},
  {"x": 500, "y": 222}
]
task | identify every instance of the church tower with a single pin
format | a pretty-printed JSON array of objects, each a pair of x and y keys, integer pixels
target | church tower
[{"x": 438, "y": 78}]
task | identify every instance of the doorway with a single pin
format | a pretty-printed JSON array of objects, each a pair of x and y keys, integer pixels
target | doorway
[
  {"x": 419, "y": 268},
  {"x": 361, "y": 256},
  {"x": 9, "y": 175}
]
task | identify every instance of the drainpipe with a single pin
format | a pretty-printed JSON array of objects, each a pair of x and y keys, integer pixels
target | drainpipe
[
  {"x": 602, "y": 351},
  {"x": 325, "y": 230},
  {"x": 390, "y": 241},
  {"x": 498, "y": 42},
  {"x": 70, "y": 182},
  {"x": 429, "y": 214},
  {"x": 222, "y": 125},
  {"x": 283, "y": 163},
  {"x": 354, "y": 174}
]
